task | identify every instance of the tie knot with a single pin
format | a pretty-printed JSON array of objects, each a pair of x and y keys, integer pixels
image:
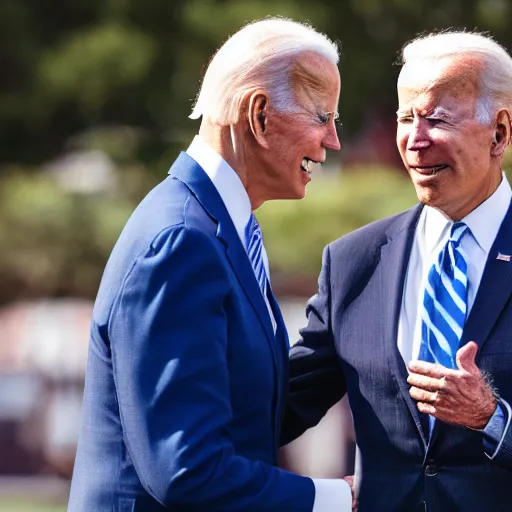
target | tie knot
[{"x": 459, "y": 229}]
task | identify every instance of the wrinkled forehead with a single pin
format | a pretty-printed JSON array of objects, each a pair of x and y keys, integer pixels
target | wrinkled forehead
[
  {"x": 315, "y": 78},
  {"x": 455, "y": 77}
]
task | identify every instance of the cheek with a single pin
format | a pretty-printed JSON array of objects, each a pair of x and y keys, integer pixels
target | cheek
[
  {"x": 291, "y": 152},
  {"x": 480, "y": 151},
  {"x": 402, "y": 136},
  {"x": 308, "y": 143},
  {"x": 295, "y": 142},
  {"x": 470, "y": 158},
  {"x": 443, "y": 138}
]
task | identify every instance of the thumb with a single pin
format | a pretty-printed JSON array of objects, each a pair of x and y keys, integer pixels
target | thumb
[{"x": 466, "y": 357}]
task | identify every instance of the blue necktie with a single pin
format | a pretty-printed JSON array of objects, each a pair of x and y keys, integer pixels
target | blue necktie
[
  {"x": 254, "y": 241},
  {"x": 445, "y": 302}
]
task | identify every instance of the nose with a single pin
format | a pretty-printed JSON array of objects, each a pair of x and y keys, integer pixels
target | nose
[
  {"x": 418, "y": 136},
  {"x": 331, "y": 140}
]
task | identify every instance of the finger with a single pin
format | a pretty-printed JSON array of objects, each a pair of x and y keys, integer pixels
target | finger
[
  {"x": 427, "y": 408},
  {"x": 433, "y": 370},
  {"x": 422, "y": 395},
  {"x": 465, "y": 357},
  {"x": 424, "y": 382}
]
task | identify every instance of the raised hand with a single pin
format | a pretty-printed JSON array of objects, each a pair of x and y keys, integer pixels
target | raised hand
[{"x": 461, "y": 397}]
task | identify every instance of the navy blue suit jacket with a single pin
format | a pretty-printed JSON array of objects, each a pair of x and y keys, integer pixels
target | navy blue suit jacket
[
  {"x": 186, "y": 380},
  {"x": 350, "y": 346}
]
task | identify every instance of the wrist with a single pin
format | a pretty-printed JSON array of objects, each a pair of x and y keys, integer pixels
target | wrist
[{"x": 487, "y": 414}]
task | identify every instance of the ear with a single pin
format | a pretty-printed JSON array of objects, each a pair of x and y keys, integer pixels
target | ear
[
  {"x": 502, "y": 133},
  {"x": 258, "y": 116}
]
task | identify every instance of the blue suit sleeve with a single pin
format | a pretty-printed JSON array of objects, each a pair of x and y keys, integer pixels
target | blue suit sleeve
[
  {"x": 316, "y": 379},
  {"x": 495, "y": 428},
  {"x": 168, "y": 329},
  {"x": 498, "y": 435}
]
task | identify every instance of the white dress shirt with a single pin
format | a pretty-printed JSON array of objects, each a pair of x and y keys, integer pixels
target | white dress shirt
[
  {"x": 431, "y": 235},
  {"x": 330, "y": 495}
]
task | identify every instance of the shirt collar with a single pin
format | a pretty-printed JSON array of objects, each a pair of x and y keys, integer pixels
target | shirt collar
[
  {"x": 226, "y": 181},
  {"x": 484, "y": 221}
]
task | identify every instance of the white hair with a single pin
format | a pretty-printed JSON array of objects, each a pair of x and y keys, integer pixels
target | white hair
[
  {"x": 260, "y": 55},
  {"x": 496, "y": 75}
]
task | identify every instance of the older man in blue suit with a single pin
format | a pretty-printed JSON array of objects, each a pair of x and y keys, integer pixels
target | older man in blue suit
[
  {"x": 188, "y": 369},
  {"x": 413, "y": 318}
]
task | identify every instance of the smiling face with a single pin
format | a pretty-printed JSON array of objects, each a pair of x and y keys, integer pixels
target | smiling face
[
  {"x": 283, "y": 164},
  {"x": 445, "y": 148}
]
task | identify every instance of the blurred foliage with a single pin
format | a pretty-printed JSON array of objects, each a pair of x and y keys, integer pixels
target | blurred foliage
[
  {"x": 70, "y": 68},
  {"x": 507, "y": 163},
  {"x": 119, "y": 77},
  {"x": 336, "y": 204},
  {"x": 297, "y": 231},
  {"x": 55, "y": 242}
]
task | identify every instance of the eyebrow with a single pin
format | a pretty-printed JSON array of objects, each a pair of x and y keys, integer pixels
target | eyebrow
[
  {"x": 436, "y": 112},
  {"x": 440, "y": 112},
  {"x": 333, "y": 113}
]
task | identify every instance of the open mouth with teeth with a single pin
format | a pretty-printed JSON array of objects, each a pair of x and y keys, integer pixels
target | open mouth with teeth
[
  {"x": 430, "y": 170},
  {"x": 307, "y": 165}
]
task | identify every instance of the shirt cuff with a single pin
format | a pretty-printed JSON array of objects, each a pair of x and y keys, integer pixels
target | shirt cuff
[
  {"x": 496, "y": 428},
  {"x": 332, "y": 495}
]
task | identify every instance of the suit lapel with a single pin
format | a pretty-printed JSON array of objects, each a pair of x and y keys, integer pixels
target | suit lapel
[
  {"x": 281, "y": 327},
  {"x": 192, "y": 175},
  {"x": 283, "y": 346},
  {"x": 392, "y": 270},
  {"x": 494, "y": 290},
  {"x": 493, "y": 293}
]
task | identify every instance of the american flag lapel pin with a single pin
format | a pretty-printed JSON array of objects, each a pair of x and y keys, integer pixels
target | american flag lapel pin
[{"x": 503, "y": 257}]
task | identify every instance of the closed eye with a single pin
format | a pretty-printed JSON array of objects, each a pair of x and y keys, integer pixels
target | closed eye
[{"x": 435, "y": 120}]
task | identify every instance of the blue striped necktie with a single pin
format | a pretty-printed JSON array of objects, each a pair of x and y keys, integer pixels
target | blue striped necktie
[
  {"x": 445, "y": 302},
  {"x": 254, "y": 243}
]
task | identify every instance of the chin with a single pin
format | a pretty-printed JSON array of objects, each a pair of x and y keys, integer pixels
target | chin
[
  {"x": 425, "y": 195},
  {"x": 301, "y": 194},
  {"x": 431, "y": 200}
]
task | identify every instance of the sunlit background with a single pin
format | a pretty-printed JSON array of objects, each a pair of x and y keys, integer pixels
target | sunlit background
[{"x": 94, "y": 99}]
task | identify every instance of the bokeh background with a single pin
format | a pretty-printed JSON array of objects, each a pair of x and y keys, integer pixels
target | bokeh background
[{"x": 94, "y": 99}]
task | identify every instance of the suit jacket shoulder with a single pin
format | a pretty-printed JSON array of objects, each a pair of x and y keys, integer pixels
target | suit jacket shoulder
[
  {"x": 168, "y": 206},
  {"x": 362, "y": 246}
]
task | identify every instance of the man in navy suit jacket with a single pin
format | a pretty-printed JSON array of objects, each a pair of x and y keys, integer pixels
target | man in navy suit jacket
[
  {"x": 188, "y": 368},
  {"x": 430, "y": 437}
]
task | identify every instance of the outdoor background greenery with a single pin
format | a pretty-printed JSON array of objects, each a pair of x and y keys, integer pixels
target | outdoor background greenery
[{"x": 119, "y": 76}]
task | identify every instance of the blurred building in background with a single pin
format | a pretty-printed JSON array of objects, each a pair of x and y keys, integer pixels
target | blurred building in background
[
  {"x": 43, "y": 351},
  {"x": 43, "y": 354}
]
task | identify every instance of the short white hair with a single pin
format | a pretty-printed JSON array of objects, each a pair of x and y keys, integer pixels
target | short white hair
[
  {"x": 260, "y": 55},
  {"x": 496, "y": 75}
]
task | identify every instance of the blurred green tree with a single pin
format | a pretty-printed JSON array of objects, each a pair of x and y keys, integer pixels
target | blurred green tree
[
  {"x": 121, "y": 76},
  {"x": 56, "y": 243},
  {"x": 70, "y": 68},
  {"x": 297, "y": 231}
]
